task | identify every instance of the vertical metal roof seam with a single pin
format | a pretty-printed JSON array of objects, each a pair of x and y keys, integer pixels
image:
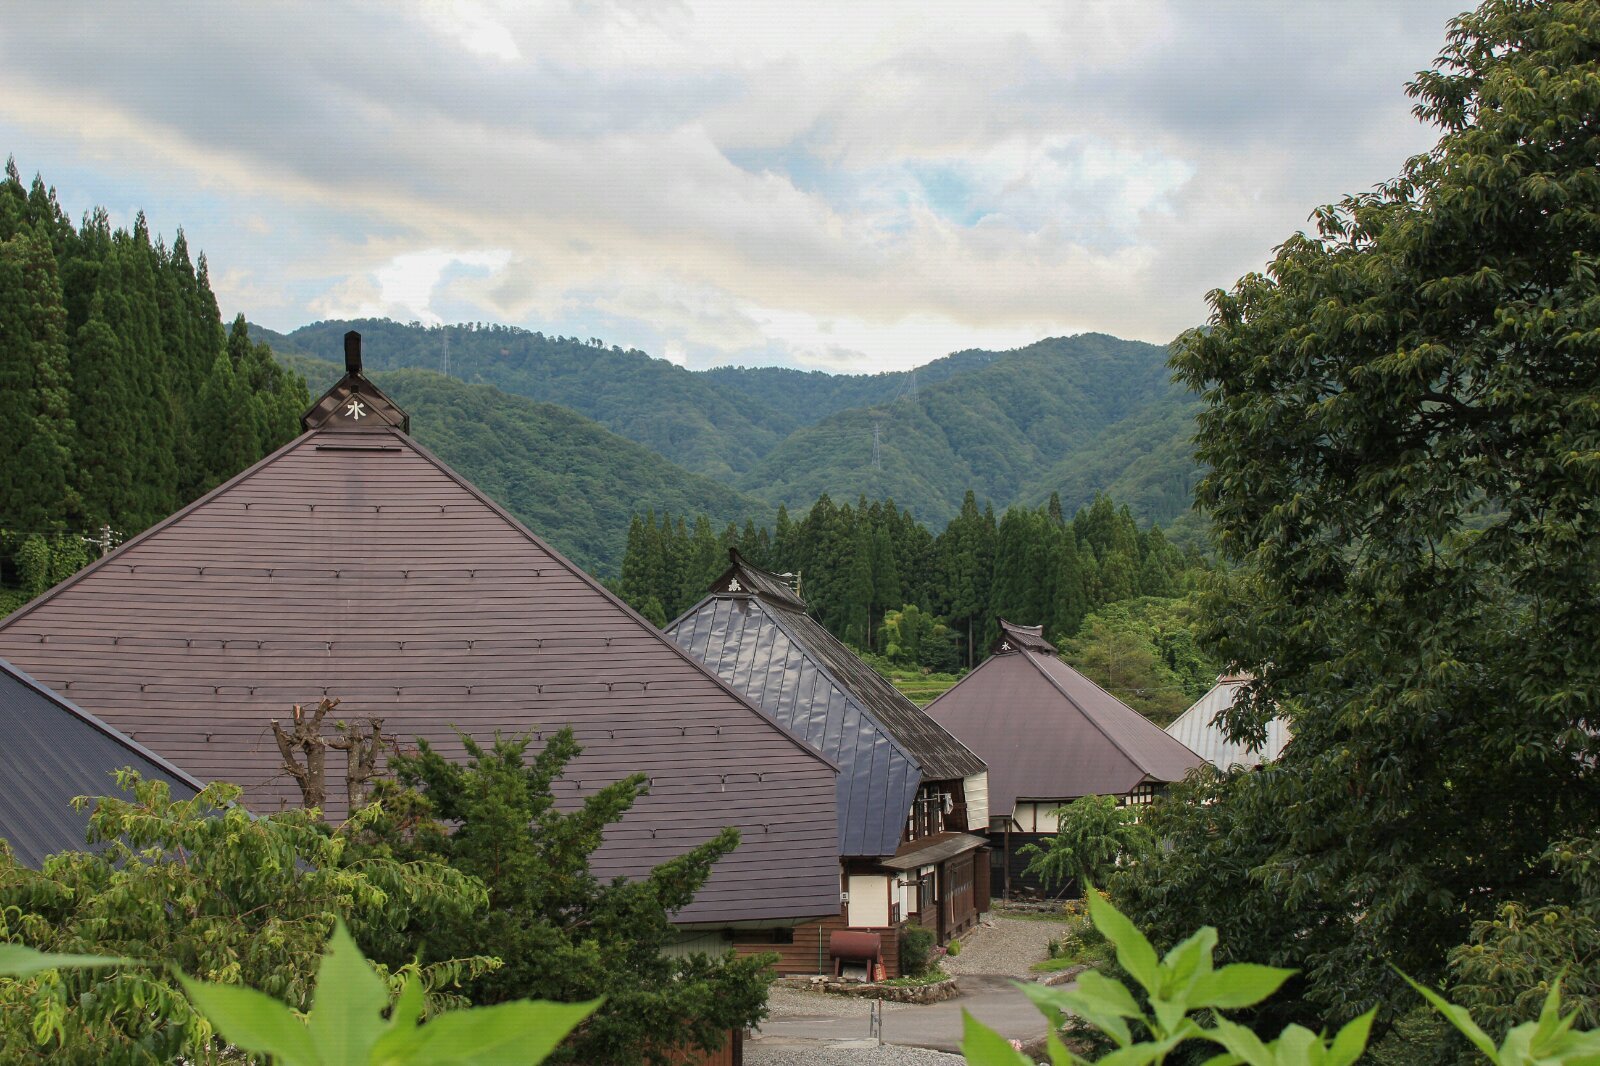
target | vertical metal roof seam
[{"x": 826, "y": 675}]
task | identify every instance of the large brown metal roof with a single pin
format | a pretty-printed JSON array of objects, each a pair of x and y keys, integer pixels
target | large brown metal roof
[
  {"x": 353, "y": 563},
  {"x": 1048, "y": 732}
]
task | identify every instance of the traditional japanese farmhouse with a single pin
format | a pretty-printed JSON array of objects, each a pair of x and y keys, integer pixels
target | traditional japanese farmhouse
[
  {"x": 54, "y": 751},
  {"x": 353, "y": 563},
  {"x": 1050, "y": 736},
  {"x": 908, "y": 791},
  {"x": 1197, "y": 730}
]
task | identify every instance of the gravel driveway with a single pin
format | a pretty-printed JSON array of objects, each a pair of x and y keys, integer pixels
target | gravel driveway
[
  {"x": 1000, "y": 949},
  {"x": 1004, "y": 946}
]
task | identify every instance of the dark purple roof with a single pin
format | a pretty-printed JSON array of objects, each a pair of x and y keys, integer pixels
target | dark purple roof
[
  {"x": 353, "y": 563},
  {"x": 1047, "y": 732},
  {"x": 51, "y": 751}
]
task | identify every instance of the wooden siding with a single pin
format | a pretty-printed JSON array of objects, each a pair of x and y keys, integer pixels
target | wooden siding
[
  {"x": 1023, "y": 886},
  {"x": 809, "y": 952},
  {"x": 960, "y": 901}
]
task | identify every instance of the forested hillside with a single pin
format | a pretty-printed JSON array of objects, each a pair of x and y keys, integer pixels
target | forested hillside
[
  {"x": 679, "y": 415},
  {"x": 567, "y": 478},
  {"x": 122, "y": 397},
  {"x": 1113, "y": 597},
  {"x": 1071, "y": 415},
  {"x": 1014, "y": 430}
]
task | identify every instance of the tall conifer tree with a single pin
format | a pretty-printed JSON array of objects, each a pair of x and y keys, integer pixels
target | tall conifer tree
[{"x": 35, "y": 395}]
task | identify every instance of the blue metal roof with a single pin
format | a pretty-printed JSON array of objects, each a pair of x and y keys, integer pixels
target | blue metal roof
[
  {"x": 51, "y": 751},
  {"x": 749, "y": 645}
]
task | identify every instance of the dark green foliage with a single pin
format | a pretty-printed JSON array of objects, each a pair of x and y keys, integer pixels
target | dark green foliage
[
  {"x": 1144, "y": 650},
  {"x": 1402, "y": 425},
  {"x": 108, "y": 343},
  {"x": 1503, "y": 970},
  {"x": 1017, "y": 426},
  {"x": 203, "y": 885},
  {"x": 1092, "y": 834},
  {"x": 878, "y": 580},
  {"x": 916, "y": 950},
  {"x": 679, "y": 415},
  {"x": 35, "y": 413},
  {"x": 563, "y": 934}
]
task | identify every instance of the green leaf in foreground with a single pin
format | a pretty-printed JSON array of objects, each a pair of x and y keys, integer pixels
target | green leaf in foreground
[
  {"x": 19, "y": 961},
  {"x": 984, "y": 1047},
  {"x": 254, "y": 1021},
  {"x": 510, "y": 1034}
]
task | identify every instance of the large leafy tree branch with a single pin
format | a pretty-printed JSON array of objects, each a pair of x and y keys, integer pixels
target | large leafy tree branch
[
  {"x": 562, "y": 933},
  {"x": 1402, "y": 428}
]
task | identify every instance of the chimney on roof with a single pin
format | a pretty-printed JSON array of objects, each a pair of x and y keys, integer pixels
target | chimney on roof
[{"x": 352, "y": 352}]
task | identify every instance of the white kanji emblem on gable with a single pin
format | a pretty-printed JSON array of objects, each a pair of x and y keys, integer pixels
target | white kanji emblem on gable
[
  {"x": 355, "y": 409},
  {"x": 734, "y": 586}
]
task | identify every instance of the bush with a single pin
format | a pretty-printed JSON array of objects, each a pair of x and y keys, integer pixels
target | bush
[
  {"x": 954, "y": 949},
  {"x": 916, "y": 951}
]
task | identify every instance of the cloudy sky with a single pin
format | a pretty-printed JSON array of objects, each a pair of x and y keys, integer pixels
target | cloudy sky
[{"x": 846, "y": 186}]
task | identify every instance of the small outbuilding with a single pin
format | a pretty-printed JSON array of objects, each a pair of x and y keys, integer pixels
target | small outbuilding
[
  {"x": 1197, "y": 730},
  {"x": 54, "y": 751},
  {"x": 1049, "y": 736}
]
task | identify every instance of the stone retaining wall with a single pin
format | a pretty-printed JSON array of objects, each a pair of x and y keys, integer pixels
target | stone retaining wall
[{"x": 937, "y": 992}]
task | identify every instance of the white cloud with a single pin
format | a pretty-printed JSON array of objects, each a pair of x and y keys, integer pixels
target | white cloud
[{"x": 843, "y": 184}]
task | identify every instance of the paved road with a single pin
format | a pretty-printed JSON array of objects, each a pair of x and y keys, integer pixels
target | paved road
[{"x": 993, "y": 1000}]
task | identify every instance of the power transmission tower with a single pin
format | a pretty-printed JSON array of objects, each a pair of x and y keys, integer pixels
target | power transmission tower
[
  {"x": 877, "y": 454},
  {"x": 446, "y": 351}
]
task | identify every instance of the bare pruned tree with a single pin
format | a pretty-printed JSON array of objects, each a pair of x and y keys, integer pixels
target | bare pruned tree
[{"x": 305, "y": 752}]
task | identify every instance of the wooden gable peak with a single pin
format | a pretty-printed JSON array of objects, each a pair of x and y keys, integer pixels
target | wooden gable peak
[{"x": 354, "y": 402}]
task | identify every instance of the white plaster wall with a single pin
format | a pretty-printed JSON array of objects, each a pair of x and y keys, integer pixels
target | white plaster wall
[
  {"x": 869, "y": 901},
  {"x": 976, "y": 787},
  {"x": 1037, "y": 816}
]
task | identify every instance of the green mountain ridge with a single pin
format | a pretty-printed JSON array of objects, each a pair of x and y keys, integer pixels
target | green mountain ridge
[
  {"x": 1072, "y": 415},
  {"x": 1016, "y": 429},
  {"x": 570, "y": 480}
]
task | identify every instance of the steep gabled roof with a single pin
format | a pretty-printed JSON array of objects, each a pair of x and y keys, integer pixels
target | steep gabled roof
[
  {"x": 51, "y": 751},
  {"x": 1048, "y": 732},
  {"x": 353, "y": 563},
  {"x": 751, "y": 647},
  {"x": 940, "y": 755},
  {"x": 1194, "y": 729}
]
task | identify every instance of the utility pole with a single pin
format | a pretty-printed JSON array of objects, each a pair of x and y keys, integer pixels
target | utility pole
[{"x": 105, "y": 540}]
